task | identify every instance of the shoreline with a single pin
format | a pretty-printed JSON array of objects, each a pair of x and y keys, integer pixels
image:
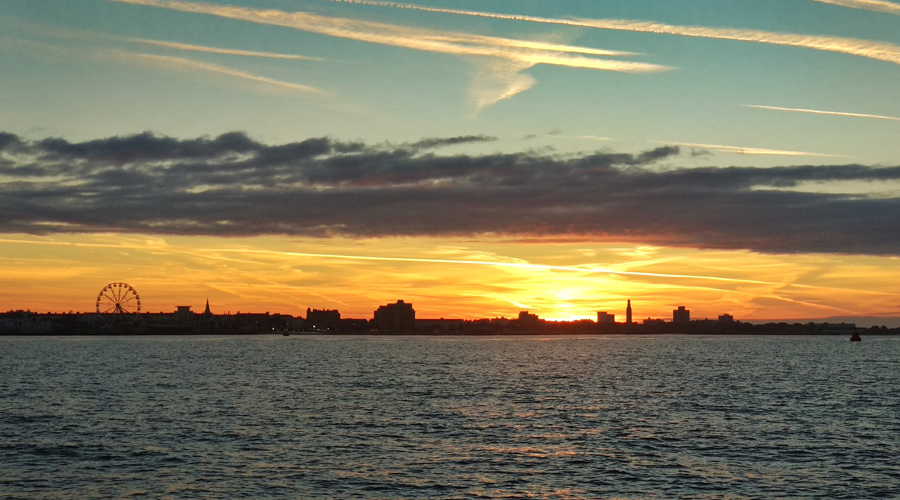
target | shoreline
[{"x": 863, "y": 334}]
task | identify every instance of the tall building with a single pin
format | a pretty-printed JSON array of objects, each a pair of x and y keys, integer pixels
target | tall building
[
  {"x": 398, "y": 317},
  {"x": 628, "y": 313},
  {"x": 681, "y": 315},
  {"x": 323, "y": 319}
]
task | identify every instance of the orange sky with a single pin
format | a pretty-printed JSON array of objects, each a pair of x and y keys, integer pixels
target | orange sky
[
  {"x": 618, "y": 123},
  {"x": 488, "y": 277}
]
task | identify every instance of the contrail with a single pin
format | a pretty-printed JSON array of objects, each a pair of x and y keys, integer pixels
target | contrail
[
  {"x": 748, "y": 151},
  {"x": 492, "y": 83},
  {"x": 70, "y": 244},
  {"x": 484, "y": 40},
  {"x": 223, "y": 70},
  {"x": 819, "y": 112},
  {"x": 881, "y": 51},
  {"x": 528, "y": 44},
  {"x": 196, "y": 253},
  {"x": 413, "y": 38},
  {"x": 216, "y": 50},
  {"x": 873, "y": 5},
  {"x": 517, "y": 265},
  {"x": 809, "y": 304}
]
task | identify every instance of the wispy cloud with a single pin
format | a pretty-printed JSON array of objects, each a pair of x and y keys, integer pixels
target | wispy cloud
[
  {"x": 820, "y": 112},
  {"x": 592, "y": 138},
  {"x": 864, "y": 48},
  {"x": 216, "y": 50},
  {"x": 517, "y": 265},
  {"x": 741, "y": 150},
  {"x": 873, "y": 5},
  {"x": 497, "y": 79},
  {"x": 525, "y": 44},
  {"x": 179, "y": 62},
  {"x": 232, "y": 185},
  {"x": 595, "y": 138},
  {"x": 515, "y": 55},
  {"x": 168, "y": 62}
]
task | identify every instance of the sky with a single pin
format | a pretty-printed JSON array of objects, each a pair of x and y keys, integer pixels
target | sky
[{"x": 474, "y": 158}]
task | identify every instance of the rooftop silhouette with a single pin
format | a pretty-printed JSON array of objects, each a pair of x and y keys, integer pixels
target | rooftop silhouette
[{"x": 396, "y": 318}]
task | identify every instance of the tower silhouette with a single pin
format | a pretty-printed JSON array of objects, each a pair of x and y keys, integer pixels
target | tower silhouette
[{"x": 628, "y": 313}]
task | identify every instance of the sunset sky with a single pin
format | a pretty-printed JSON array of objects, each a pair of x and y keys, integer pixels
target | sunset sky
[{"x": 475, "y": 158}]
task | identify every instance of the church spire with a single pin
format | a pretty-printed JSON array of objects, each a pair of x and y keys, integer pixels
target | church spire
[{"x": 206, "y": 312}]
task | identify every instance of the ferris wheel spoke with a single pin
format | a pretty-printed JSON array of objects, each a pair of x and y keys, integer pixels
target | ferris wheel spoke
[{"x": 118, "y": 298}]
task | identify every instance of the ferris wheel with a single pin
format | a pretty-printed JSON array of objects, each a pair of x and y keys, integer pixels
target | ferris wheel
[{"x": 118, "y": 298}]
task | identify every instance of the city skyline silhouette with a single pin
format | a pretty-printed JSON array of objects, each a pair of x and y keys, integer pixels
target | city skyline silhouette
[{"x": 476, "y": 161}]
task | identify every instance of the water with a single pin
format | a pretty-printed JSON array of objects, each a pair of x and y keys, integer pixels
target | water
[{"x": 414, "y": 417}]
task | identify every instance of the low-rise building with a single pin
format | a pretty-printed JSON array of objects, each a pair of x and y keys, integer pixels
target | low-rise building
[
  {"x": 323, "y": 320},
  {"x": 604, "y": 318}
]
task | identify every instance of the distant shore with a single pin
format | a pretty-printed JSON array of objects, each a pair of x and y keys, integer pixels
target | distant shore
[
  {"x": 864, "y": 333},
  {"x": 186, "y": 322}
]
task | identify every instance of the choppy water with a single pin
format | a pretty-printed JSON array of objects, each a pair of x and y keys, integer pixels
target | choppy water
[{"x": 350, "y": 417}]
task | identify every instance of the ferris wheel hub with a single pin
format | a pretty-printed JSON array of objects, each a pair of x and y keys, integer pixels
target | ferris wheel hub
[{"x": 118, "y": 298}]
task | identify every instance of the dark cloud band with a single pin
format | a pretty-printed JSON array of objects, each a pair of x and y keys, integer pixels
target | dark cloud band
[{"x": 232, "y": 185}]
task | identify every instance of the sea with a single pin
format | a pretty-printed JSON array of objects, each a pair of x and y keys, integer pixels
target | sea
[{"x": 669, "y": 416}]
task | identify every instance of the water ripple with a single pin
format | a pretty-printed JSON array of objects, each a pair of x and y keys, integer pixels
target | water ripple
[{"x": 336, "y": 417}]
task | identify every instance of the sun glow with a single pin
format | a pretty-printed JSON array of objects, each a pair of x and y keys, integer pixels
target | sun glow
[{"x": 442, "y": 278}]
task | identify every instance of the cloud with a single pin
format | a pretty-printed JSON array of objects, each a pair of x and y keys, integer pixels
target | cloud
[
  {"x": 232, "y": 185},
  {"x": 873, "y": 5},
  {"x": 507, "y": 56},
  {"x": 819, "y": 112},
  {"x": 216, "y": 50},
  {"x": 741, "y": 150},
  {"x": 7, "y": 140},
  {"x": 439, "y": 142},
  {"x": 864, "y": 48}
]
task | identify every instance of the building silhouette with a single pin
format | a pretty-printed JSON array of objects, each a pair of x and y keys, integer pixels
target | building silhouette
[
  {"x": 628, "y": 313},
  {"x": 528, "y": 321},
  {"x": 323, "y": 319},
  {"x": 604, "y": 318},
  {"x": 681, "y": 315},
  {"x": 184, "y": 315},
  {"x": 397, "y": 317},
  {"x": 441, "y": 325},
  {"x": 392, "y": 318}
]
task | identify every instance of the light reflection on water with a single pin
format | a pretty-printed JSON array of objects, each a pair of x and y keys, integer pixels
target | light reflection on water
[{"x": 484, "y": 417}]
